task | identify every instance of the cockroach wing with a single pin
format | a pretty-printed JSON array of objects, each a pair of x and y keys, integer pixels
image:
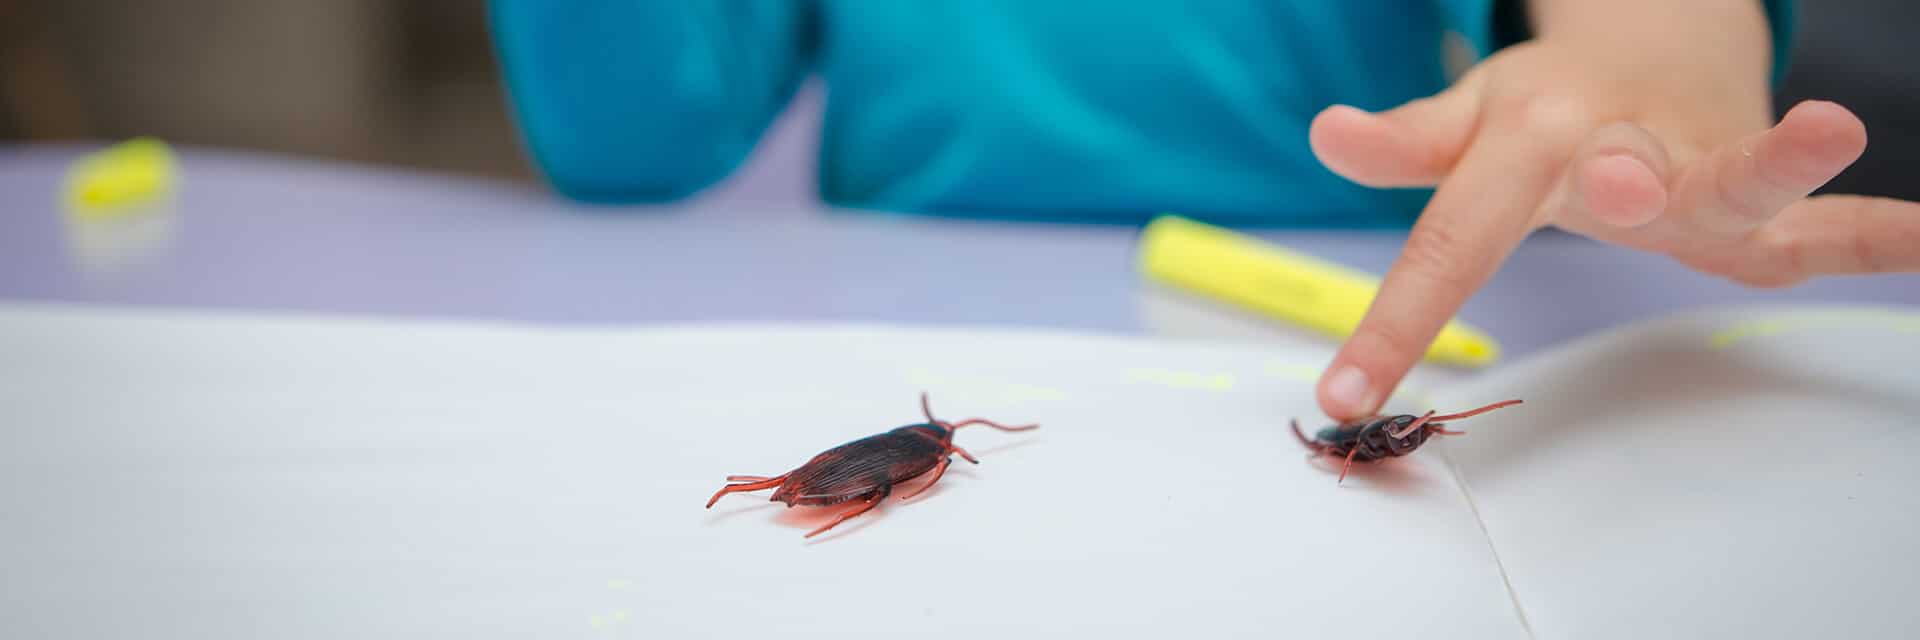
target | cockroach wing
[{"x": 859, "y": 468}]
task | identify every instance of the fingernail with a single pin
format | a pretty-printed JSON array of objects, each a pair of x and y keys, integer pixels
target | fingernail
[{"x": 1348, "y": 387}]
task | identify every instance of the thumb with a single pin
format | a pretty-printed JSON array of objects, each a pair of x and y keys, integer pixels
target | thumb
[{"x": 1413, "y": 145}]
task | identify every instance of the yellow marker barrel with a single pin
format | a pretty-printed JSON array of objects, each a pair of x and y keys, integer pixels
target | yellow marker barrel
[{"x": 1285, "y": 285}]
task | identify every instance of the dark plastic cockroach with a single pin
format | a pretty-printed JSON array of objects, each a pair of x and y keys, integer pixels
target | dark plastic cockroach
[
  {"x": 867, "y": 469},
  {"x": 1382, "y": 437}
]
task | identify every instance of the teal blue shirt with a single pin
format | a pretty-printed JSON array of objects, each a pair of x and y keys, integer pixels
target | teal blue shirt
[{"x": 1025, "y": 109}]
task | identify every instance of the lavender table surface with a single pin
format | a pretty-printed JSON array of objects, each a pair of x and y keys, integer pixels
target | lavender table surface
[{"x": 258, "y": 232}]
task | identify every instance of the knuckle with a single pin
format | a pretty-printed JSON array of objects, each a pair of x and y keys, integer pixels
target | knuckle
[
  {"x": 1864, "y": 252},
  {"x": 1395, "y": 340},
  {"x": 1738, "y": 201},
  {"x": 1783, "y": 177},
  {"x": 1431, "y": 256},
  {"x": 1713, "y": 264},
  {"x": 1548, "y": 112},
  {"x": 1556, "y": 110},
  {"x": 1790, "y": 174},
  {"x": 1794, "y": 255},
  {"x": 1380, "y": 346},
  {"x": 1776, "y": 267}
]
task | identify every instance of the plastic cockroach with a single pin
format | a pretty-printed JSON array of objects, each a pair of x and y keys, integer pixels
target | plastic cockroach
[
  {"x": 1383, "y": 436},
  {"x": 867, "y": 469}
]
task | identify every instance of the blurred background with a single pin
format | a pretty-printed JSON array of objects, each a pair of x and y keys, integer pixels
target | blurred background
[
  {"x": 413, "y": 83},
  {"x": 409, "y": 83}
]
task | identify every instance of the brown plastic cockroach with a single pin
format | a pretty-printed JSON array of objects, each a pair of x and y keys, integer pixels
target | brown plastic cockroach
[
  {"x": 1383, "y": 437},
  {"x": 867, "y": 469}
]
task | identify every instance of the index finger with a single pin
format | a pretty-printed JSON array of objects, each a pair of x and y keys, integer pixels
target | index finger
[{"x": 1474, "y": 221}]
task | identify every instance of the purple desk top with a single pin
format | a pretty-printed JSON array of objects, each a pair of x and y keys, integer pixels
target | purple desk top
[{"x": 265, "y": 232}]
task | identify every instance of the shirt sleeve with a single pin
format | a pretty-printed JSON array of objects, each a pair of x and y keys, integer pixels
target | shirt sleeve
[
  {"x": 1491, "y": 25},
  {"x": 620, "y": 101}
]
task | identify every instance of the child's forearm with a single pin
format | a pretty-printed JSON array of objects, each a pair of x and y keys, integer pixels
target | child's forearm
[
  {"x": 1703, "y": 51},
  {"x": 1732, "y": 33},
  {"x": 1742, "y": 19}
]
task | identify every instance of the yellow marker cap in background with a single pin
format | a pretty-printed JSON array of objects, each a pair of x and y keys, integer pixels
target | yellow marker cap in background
[
  {"x": 130, "y": 173},
  {"x": 1285, "y": 285}
]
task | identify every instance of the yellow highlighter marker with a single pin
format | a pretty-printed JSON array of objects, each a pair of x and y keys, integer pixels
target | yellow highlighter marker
[{"x": 1289, "y": 286}]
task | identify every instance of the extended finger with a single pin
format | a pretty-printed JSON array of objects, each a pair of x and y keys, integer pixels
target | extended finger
[
  {"x": 1740, "y": 187},
  {"x": 1412, "y": 145},
  {"x": 1475, "y": 220},
  {"x": 1834, "y": 235}
]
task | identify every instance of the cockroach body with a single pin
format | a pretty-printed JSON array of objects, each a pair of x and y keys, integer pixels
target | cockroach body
[
  {"x": 1383, "y": 437},
  {"x": 867, "y": 469}
]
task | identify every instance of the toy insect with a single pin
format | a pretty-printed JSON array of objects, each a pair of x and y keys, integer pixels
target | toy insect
[
  {"x": 1383, "y": 436},
  {"x": 867, "y": 469}
]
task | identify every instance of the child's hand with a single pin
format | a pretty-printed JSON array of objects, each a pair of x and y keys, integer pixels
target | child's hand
[{"x": 1651, "y": 137}]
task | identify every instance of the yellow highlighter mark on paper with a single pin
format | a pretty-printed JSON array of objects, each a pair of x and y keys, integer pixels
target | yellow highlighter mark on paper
[
  {"x": 602, "y": 621},
  {"x": 1815, "y": 321},
  {"x": 999, "y": 390},
  {"x": 1294, "y": 371},
  {"x": 1183, "y": 379}
]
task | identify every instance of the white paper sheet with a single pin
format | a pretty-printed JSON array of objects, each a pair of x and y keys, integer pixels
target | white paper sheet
[
  {"x": 1750, "y": 473},
  {"x": 197, "y": 476}
]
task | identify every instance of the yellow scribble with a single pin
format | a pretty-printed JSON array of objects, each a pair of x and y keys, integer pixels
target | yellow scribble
[
  {"x": 1294, "y": 371},
  {"x": 600, "y": 621},
  {"x": 994, "y": 390},
  {"x": 1827, "y": 320},
  {"x": 1184, "y": 379},
  {"x": 619, "y": 583}
]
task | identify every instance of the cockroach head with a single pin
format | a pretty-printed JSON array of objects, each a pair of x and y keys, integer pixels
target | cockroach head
[{"x": 939, "y": 430}]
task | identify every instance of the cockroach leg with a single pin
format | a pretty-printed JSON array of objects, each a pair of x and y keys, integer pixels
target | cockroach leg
[
  {"x": 751, "y": 486},
  {"x": 1443, "y": 431},
  {"x": 963, "y": 453},
  {"x": 747, "y": 478},
  {"x": 938, "y": 470},
  {"x": 1303, "y": 437},
  {"x": 1349, "y": 465},
  {"x": 1315, "y": 450},
  {"x": 873, "y": 499}
]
